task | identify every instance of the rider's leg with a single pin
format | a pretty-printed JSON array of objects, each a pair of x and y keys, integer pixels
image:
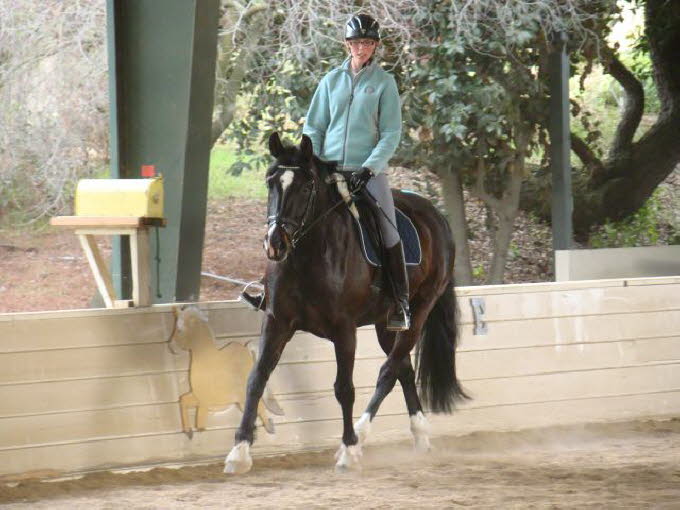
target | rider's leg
[{"x": 379, "y": 189}]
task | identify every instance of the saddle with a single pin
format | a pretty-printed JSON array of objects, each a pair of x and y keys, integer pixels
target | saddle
[{"x": 365, "y": 217}]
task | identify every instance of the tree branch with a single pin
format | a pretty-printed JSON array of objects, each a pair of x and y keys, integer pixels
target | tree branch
[
  {"x": 633, "y": 106},
  {"x": 587, "y": 157}
]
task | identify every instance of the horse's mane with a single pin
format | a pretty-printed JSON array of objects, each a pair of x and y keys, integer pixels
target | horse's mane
[
  {"x": 325, "y": 167},
  {"x": 291, "y": 154}
]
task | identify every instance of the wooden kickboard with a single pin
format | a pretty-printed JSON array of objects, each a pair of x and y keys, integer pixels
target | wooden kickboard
[{"x": 89, "y": 389}]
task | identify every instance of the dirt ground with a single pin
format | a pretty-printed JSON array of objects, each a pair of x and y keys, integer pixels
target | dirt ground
[
  {"x": 47, "y": 269},
  {"x": 629, "y": 465}
]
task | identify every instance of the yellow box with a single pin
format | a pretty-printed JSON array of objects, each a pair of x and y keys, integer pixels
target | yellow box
[{"x": 120, "y": 197}]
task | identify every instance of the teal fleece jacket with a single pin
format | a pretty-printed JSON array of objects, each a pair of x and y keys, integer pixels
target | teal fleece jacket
[{"x": 355, "y": 120}]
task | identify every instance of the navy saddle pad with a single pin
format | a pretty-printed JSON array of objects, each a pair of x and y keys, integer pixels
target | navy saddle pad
[{"x": 409, "y": 239}]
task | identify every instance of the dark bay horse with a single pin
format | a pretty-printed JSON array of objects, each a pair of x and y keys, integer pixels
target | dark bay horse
[{"x": 318, "y": 281}]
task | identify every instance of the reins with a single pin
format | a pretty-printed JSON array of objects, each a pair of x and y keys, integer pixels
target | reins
[
  {"x": 303, "y": 230},
  {"x": 299, "y": 234}
]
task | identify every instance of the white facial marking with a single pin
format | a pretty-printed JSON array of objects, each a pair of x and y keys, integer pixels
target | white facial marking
[
  {"x": 267, "y": 246},
  {"x": 287, "y": 179}
]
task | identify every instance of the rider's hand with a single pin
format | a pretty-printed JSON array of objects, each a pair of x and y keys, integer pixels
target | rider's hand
[{"x": 359, "y": 179}]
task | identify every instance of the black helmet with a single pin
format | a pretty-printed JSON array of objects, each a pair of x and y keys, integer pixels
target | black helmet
[{"x": 362, "y": 26}]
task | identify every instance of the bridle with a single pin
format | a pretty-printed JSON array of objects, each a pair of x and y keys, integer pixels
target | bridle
[{"x": 297, "y": 229}]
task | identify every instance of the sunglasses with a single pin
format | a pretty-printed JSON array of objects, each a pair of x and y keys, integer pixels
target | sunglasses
[{"x": 366, "y": 43}]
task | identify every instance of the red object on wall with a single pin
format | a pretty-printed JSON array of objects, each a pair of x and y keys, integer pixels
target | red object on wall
[{"x": 148, "y": 170}]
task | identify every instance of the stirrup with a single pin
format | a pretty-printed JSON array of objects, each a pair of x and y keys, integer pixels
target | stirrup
[
  {"x": 256, "y": 302},
  {"x": 400, "y": 320}
]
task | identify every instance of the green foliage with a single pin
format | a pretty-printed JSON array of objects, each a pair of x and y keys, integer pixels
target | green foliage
[
  {"x": 640, "y": 229},
  {"x": 223, "y": 183},
  {"x": 479, "y": 273}
]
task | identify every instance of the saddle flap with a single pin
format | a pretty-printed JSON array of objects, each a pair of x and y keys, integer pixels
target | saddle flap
[{"x": 407, "y": 232}]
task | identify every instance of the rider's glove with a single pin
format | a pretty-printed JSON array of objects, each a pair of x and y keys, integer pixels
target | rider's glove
[{"x": 358, "y": 179}]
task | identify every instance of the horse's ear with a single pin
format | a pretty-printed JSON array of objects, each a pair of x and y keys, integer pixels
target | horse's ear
[
  {"x": 306, "y": 148},
  {"x": 275, "y": 145}
]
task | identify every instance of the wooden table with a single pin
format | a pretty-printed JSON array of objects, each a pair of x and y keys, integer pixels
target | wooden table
[{"x": 87, "y": 227}]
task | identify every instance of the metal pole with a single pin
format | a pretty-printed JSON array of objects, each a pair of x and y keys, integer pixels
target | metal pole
[
  {"x": 162, "y": 56},
  {"x": 560, "y": 145}
]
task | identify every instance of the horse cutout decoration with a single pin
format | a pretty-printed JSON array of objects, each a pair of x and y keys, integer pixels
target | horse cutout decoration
[
  {"x": 317, "y": 280},
  {"x": 217, "y": 376}
]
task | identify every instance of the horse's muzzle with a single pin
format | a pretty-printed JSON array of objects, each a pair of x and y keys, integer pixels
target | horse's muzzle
[{"x": 277, "y": 243}]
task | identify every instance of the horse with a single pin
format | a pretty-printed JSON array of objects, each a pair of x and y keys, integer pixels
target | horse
[
  {"x": 317, "y": 280},
  {"x": 217, "y": 376}
]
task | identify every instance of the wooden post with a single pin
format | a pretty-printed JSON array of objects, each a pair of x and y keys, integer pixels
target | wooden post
[
  {"x": 141, "y": 275},
  {"x": 100, "y": 270}
]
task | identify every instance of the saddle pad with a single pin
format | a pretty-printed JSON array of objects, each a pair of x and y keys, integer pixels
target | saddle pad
[{"x": 409, "y": 239}]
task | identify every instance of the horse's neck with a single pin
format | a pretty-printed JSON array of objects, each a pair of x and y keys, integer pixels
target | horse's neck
[{"x": 202, "y": 341}]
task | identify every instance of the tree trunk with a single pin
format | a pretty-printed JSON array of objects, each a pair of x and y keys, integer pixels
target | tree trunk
[
  {"x": 623, "y": 183},
  {"x": 501, "y": 242},
  {"x": 455, "y": 213},
  {"x": 230, "y": 75}
]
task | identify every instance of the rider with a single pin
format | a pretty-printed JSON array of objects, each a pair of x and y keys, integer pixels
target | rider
[{"x": 355, "y": 119}]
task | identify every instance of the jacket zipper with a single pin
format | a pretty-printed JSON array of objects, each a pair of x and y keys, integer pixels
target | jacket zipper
[{"x": 354, "y": 79}]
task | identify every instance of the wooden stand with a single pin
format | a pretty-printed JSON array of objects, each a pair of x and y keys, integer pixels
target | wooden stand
[{"x": 86, "y": 227}]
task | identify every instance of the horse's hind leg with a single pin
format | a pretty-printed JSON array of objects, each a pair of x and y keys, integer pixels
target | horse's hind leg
[
  {"x": 349, "y": 454},
  {"x": 407, "y": 378}
]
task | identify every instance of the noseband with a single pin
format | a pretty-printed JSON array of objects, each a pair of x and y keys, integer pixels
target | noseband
[{"x": 294, "y": 228}]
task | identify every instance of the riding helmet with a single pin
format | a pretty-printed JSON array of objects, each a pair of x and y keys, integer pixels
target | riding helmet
[{"x": 362, "y": 26}]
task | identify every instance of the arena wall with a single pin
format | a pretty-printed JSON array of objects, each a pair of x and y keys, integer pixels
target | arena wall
[{"x": 95, "y": 389}]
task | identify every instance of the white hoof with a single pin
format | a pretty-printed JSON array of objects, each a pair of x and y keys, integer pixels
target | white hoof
[
  {"x": 348, "y": 458},
  {"x": 239, "y": 460},
  {"x": 420, "y": 428},
  {"x": 363, "y": 427}
]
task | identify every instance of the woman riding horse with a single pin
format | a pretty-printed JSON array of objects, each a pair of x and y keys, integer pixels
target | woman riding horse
[
  {"x": 317, "y": 279},
  {"x": 355, "y": 119}
]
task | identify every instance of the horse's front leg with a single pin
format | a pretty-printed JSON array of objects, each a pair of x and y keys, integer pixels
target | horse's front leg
[
  {"x": 275, "y": 335},
  {"x": 349, "y": 454}
]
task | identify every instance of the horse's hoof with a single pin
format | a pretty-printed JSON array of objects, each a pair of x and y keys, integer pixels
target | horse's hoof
[
  {"x": 348, "y": 458},
  {"x": 189, "y": 433},
  {"x": 420, "y": 428},
  {"x": 363, "y": 427},
  {"x": 421, "y": 444},
  {"x": 239, "y": 460}
]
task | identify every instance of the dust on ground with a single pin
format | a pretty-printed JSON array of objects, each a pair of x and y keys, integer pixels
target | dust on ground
[{"x": 624, "y": 465}]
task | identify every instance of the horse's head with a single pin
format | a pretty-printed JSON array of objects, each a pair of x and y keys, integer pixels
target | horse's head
[
  {"x": 293, "y": 182},
  {"x": 189, "y": 320}
]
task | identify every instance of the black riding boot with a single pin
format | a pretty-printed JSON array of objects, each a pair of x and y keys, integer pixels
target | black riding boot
[
  {"x": 256, "y": 301},
  {"x": 400, "y": 319}
]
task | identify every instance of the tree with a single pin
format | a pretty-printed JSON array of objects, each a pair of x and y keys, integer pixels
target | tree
[
  {"x": 474, "y": 93},
  {"x": 618, "y": 185},
  {"x": 53, "y": 102}
]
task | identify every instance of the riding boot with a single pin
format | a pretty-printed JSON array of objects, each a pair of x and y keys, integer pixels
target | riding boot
[
  {"x": 256, "y": 301},
  {"x": 400, "y": 319}
]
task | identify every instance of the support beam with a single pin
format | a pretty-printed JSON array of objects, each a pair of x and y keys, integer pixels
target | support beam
[
  {"x": 162, "y": 73},
  {"x": 560, "y": 146}
]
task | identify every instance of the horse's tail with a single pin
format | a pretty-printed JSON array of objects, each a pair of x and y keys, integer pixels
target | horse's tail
[{"x": 436, "y": 355}]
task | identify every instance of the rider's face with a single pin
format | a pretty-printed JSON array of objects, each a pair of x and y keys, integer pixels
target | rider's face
[{"x": 361, "y": 50}]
